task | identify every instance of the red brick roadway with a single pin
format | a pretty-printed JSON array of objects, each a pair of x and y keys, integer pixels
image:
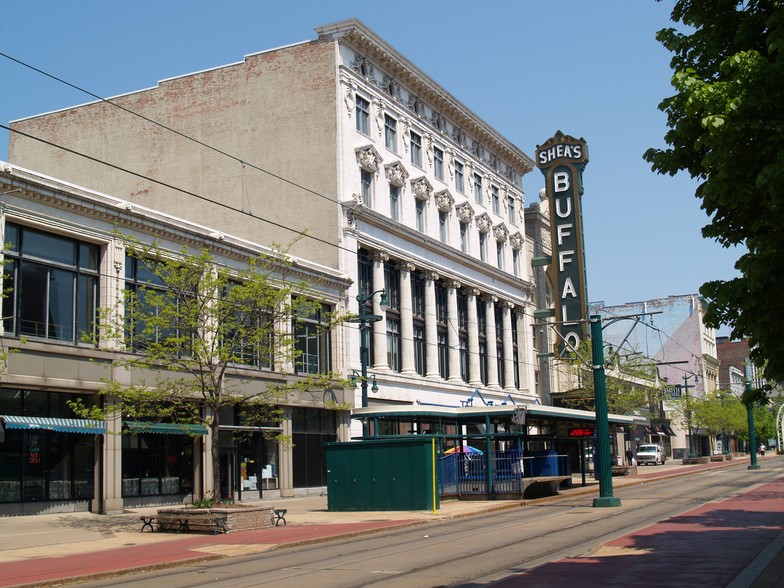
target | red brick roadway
[
  {"x": 139, "y": 557},
  {"x": 708, "y": 546}
]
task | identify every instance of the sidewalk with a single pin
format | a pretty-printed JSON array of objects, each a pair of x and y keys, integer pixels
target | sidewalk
[{"x": 43, "y": 548}]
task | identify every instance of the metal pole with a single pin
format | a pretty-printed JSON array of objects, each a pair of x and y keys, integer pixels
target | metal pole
[
  {"x": 603, "y": 465},
  {"x": 750, "y": 411},
  {"x": 688, "y": 415}
]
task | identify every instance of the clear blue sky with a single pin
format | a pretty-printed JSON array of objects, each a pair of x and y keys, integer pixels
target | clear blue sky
[{"x": 592, "y": 69}]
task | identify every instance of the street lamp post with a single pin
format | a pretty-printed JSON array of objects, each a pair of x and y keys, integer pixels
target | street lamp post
[
  {"x": 750, "y": 411},
  {"x": 603, "y": 462},
  {"x": 688, "y": 410},
  {"x": 364, "y": 319}
]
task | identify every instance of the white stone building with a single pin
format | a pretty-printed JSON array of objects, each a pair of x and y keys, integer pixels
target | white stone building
[{"x": 398, "y": 185}]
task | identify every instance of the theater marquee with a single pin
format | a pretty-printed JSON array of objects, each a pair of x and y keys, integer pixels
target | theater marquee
[{"x": 562, "y": 160}]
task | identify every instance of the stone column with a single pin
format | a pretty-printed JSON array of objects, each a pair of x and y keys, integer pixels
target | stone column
[
  {"x": 509, "y": 379},
  {"x": 492, "y": 347},
  {"x": 379, "y": 359},
  {"x": 431, "y": 327},
  {"x": 406, "y": 318},
  {"x": 286, "y": 457},
  {"x": 473, "y": 339},
  {"x": 453, "y": 332}
]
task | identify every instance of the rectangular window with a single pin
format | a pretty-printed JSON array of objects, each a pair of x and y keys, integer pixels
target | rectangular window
[
  {"x": 495, "y": 199},
  {"x": 393, "y": 344},
  {"x": 51, "y": 285},
  {"x": 312, "y": 343},
  {"x": 417, "y": 296},
  {"x": 459, "y": 179},
  {"x": 443, "y": 354},
  {"x": 499, "y": 254},
  {"x": 510, "y": 204},
  {"x": 464, "y": 237},
  {"x": 394, "y": 202},
  {"x": 516, "y": 263},
  {"x": 478, "y": 193},
  {"x": 419, "y": 349},
  {"x": 483, "y": 246},
  {"x": 464, "y": 358},
  {"x": 364, "y": 272},
  {"x": 416, "y": 149},
  {"x": 420, "y": 216},
  {"x": 390, "y": 133},
  {"x": 438, "y": 163},
  {"x": 366, "y": 180},
  {"x": 363, "y": 115},
  {"x": 392, "y": 285},
  {"x": 443, "y": 220}
]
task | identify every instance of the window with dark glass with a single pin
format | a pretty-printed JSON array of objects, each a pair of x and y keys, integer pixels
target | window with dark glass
[
  {"x": 393, "y": 344},
  {"x": 442, "y": 314},
  {"x": 364, "y": 272},
  {"x": 443, "y": 226},
  {"x": 416, "y": 149},
  {"x": 312, "y": 342},
  {"x": 420, "y": 216},
  {"x": 499, "y": 344},
  {"x": 495, "y": 199},
  {"x": 418, "y": 312},
  {"x": 366, "y": 187},
  {"x": 363, "y": 115},
  {"x": 394, "y": 202},
  {"x": 438, "y": 163},
  {"x": 464, "y": 237},
  {"x": 260, "y": 351},
  {"x": 483, "y": 246},
  {"x": 311, "y": 428},
  {"x": 459, "y": 179},
  {"x": 390, "y": 133},
  {"x": 482, "y": 327},
  {"x": 51, "y": 285},
  {"x": 515, "y": 352},
  {"x": 510, "y": 204},
  {"x": 478, "y": 192},
  {"x": 499, "y": 254}
]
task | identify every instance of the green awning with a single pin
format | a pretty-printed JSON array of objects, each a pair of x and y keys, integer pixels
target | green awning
[
  {"x": 166, "y": 428},
  {"x": 54, "y": 424}
]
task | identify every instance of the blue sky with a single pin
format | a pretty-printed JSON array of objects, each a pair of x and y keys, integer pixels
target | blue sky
[{"x": 529, "y": 68}]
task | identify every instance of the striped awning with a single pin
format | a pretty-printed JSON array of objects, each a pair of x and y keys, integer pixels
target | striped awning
[
  {"x": 53, "y": 424},
  {"x": 165, "y": 428}
]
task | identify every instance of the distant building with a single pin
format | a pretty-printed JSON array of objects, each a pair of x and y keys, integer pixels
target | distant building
[{"x": 672, "y": 333}]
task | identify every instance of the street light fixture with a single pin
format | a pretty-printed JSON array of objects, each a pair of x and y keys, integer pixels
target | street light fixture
[
  {"x": 688, "y": 409},
  {"x": 364, "y": 319}
]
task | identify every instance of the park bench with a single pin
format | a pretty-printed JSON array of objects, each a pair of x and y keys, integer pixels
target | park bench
[
  {"x": 279, "y": 514},
  {"x": 186, "y": 523}
]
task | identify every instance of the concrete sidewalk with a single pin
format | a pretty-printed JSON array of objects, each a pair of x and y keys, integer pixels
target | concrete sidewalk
[{"x": 45, "y": 548}]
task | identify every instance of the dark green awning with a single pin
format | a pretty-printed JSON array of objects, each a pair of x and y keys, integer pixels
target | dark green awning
[
  {"x": 54, "y": 424},
  {"x": 166, "y": 428}
]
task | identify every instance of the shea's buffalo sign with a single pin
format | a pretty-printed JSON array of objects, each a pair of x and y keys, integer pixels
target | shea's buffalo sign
[{"x": 562, "y": 160}]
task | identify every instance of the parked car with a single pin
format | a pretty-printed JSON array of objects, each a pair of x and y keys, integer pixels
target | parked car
[{"x": 652, "y": 454}]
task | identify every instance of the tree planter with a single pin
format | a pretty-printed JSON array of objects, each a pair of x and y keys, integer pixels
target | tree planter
[
  {"x": 694, "y": 460},
  {"x": 230, "y": 517}
]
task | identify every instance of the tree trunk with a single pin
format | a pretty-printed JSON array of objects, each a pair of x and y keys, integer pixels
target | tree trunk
[{"x": 215, "y": 449}]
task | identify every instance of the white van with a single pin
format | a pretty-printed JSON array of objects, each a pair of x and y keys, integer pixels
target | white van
[{"x": 652, "y": 454}]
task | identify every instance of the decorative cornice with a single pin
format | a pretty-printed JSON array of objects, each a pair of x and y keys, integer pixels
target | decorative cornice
[
  {"x": 396, "y": 174},
  {"x": 444, "y": 200},
  {"x": 464, "y": 212},
  {"x": 368, "y": 158},
  {"x": 483, "y": 223},
  {"x": 516, "y": 241},
  {"x": 501, "y": 233}
]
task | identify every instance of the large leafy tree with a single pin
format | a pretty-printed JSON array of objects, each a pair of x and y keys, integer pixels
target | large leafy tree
[
  {"x": 726, "y": 129},
  {"x": 195, "y": 334}
]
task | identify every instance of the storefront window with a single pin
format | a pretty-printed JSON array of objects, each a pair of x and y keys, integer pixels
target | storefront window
[{"x": 312, "y": 428}]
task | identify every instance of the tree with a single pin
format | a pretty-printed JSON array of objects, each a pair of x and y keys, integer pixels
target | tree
[
  {"x": 720, "y": 412},
  {"x": 630, "y": 381},
  {"x": 200, "y": 332},
  {"x": 726, "y": 129}
]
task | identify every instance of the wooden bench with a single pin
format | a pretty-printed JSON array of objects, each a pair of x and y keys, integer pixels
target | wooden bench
[
  {"x": 279, "y": 514},
  {"x": 186, "y": 523}
]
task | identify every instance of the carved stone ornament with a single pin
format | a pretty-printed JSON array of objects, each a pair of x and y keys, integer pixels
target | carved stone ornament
[
  {"x": 380, "y": 107},
  {"x": 516, "y": 241},
  {"x": 429, "y": 148},
  {"x": 444, "y": 201},
  {"x": 396, "y": 174},
  {"x": 483, "y": 223},
  {"x": 421, "y": 188},
  {"x": 501, "y": 233},
  {"x": 368, "y": 158},
  {"x": 350, "y": 97},
  {"x": 464, "y": 212}
]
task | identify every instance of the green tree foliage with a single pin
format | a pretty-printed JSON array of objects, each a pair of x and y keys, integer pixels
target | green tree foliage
[
  {"x": 196, "y": 333},
  {"x": 719, "y": 412},
  {"x": 629, "y": 380},
  {"x": 726, "y": 129}
]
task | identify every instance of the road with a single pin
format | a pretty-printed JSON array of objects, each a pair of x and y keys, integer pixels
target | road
[{"x": 477, "y": 550}]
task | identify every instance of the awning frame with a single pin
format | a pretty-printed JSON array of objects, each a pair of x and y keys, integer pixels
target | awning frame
[{"x": 59, "y": 425}]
